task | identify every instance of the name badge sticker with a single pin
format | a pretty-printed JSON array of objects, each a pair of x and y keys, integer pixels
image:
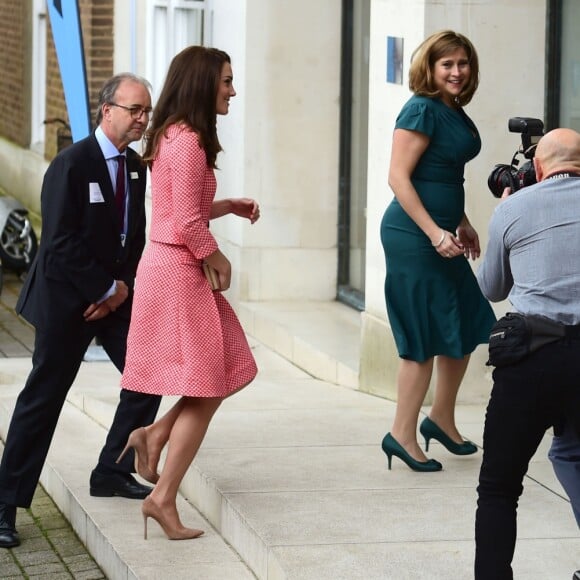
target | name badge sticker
[
  {"x": 95, "y": 193},
  {"x": 134, "y": 175}
]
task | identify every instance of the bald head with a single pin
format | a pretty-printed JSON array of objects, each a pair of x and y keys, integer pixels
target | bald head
[{"x": 558, "y": 150}]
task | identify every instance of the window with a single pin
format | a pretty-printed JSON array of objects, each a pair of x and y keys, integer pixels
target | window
[
  {"x": 562, "y": 93},
  {"x": 174, "y": 24},
  {"x": 570, "y": 66},
  {"x": 353, "y": 152}
]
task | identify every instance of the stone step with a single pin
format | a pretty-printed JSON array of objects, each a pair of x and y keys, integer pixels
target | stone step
[{"x": 290, "y": 483}]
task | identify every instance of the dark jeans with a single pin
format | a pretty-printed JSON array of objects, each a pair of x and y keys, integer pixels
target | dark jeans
[{"x": 527, "y": 398}]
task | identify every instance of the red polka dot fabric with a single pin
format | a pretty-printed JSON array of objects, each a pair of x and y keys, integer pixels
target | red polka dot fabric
[{"x": 184, "y": 339}]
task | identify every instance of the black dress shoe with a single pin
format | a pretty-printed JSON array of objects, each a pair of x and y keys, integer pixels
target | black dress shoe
[
  {"x": 9, "y": 537},
  {"x": 120, "y": 484},
  {"x": 576, "y": 575}
]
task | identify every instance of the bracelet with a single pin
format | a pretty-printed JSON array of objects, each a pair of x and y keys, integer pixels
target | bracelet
[{"x": 443, "y": 234}]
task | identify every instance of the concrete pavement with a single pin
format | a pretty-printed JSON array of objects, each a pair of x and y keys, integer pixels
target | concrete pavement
[{"x": 291, "y": 482}]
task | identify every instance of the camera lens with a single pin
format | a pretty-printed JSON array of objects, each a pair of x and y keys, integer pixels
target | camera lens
[{"x": 501, "y": 176}]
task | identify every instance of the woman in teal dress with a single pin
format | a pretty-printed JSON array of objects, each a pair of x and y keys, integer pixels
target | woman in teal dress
[{"x": 435, "y": 308}]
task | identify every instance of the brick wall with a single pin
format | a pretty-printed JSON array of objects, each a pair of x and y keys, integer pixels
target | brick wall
[
  {"x": 15, "y": 59},
  {"x": 98, "y": 46},
  {"x": 55, "y": 105},
  {"x": 15, "y": 56},
  {"x": 97, "y": 28}
]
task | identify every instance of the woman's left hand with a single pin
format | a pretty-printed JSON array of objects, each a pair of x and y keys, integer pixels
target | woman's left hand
[
  {"x": 246, "y": 208},
  {"x": 470, "y": 241}
]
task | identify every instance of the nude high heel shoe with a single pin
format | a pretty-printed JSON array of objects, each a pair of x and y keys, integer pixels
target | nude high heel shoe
[
  {"x": 138, "y": 442},
  {"x": 150, "y": 510}
]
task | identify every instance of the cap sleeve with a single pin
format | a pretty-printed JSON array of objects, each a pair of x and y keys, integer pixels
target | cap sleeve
[{"x": 417, "y": 116}]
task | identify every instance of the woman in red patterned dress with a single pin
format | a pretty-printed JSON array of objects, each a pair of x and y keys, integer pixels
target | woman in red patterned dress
[{"x": 184, "y": 338}]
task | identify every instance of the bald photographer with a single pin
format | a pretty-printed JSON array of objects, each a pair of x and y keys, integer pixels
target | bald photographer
[{"x": 533, "y": 259}]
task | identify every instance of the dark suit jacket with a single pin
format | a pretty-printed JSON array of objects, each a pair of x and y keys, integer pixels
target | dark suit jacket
[{"x": 80, "y": 253}]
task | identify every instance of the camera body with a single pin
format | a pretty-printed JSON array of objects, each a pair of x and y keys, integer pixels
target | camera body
[{"x": 511, "y": 175}]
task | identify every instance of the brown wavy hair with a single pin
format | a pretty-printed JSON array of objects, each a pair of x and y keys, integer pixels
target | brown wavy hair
[
  {"x": 189, "y": 96},
  {"x": 424, "y": 57}
]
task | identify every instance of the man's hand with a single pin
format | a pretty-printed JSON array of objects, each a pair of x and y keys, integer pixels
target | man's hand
[
  {"x": 96, "y": 311},
  {"x": 100, "y": 310},
  {"x": 120, "y": 295}
]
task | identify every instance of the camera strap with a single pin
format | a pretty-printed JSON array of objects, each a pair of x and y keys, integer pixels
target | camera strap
[{"x": 562, "y": 175}]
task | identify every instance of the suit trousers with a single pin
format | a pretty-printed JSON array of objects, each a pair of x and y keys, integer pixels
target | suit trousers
[
  {"x": 527, "y": 398},
  {"x": 56, "y": 360}
]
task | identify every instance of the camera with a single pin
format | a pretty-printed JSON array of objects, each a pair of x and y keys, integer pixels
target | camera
[{"x": 511, "y": 175}]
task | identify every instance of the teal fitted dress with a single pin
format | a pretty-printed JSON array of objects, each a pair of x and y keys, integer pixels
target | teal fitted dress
[{"x": 434, "y": 304}]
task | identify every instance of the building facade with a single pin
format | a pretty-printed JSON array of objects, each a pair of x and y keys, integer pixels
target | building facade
[{"x": 319, "y": 86}]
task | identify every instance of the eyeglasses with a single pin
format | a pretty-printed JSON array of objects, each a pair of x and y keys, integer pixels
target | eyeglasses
[{"x": 135, "y": 111}]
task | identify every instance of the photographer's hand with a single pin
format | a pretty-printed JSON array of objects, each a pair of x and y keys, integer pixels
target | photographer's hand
[
  {"x": 469, "y": 239},
  {"x": 506, "y": 192}
]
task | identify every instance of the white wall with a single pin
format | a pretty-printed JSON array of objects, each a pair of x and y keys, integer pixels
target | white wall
[
  {"x": 286, "y": 68},
  {"x": 123, "y": 38},
  {"x": 511, "y": 84},
  {"x": 230, "y": 34}
]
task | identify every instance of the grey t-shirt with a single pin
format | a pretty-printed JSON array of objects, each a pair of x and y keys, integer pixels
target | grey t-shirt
[{"x": 533, "y": 253}]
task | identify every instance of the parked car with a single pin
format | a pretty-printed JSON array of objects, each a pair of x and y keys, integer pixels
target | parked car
[{"x": 18, "y": 240}]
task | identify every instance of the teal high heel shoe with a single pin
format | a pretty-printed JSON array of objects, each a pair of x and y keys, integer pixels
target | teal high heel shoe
[
  {"x": 391, "y": 447},
  {"x": 430, "y": 430}
]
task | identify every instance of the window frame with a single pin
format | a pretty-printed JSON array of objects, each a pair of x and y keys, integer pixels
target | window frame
[
  {"x": 163, "y": 40},
  {"x": 552, "y": 93}
]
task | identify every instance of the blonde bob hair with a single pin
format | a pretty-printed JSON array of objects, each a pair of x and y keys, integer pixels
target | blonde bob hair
[{"x": 424, "y": 57}]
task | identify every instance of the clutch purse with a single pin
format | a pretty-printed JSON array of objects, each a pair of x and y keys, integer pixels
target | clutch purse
[{"x": 211, "y": 276}]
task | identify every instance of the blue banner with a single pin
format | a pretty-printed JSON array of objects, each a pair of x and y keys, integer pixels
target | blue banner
[{"x": 65, "y": 22}]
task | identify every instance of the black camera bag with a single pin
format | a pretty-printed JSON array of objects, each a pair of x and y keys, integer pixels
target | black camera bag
[{"x": 515, "y": 336}]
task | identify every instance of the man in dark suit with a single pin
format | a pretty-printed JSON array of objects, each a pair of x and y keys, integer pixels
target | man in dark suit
[{"x": 80, "y": 287}]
